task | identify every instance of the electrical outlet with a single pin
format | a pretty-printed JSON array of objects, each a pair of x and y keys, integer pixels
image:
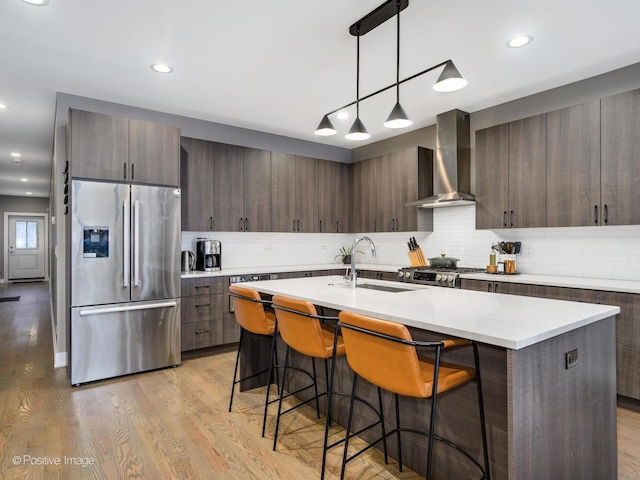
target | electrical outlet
[
  {"x": 268, "y": 248},
  {"x": 528, "y": 250},
  {"x": 571, "y": 358}
]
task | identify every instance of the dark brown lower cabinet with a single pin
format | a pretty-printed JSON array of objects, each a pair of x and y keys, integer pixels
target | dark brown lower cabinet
[
  {"x": 203, "y": 308},
  {"x": 627, "y": 322}
]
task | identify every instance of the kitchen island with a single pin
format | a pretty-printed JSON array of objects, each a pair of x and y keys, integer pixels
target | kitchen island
[{"x": 546, "y": 419}]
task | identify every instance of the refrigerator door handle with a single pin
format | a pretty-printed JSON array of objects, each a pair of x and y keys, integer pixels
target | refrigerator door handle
[
  {"x": 136, "y": 243},
  {"x": 128, "y": 308},
  {"x": 126, "y": 257}
]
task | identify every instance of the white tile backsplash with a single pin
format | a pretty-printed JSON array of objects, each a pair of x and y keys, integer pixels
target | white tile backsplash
[{"x": 611, "y": 252}]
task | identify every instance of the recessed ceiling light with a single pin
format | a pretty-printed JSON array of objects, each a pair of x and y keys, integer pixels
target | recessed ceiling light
[
  {"x": 161, "y": 68},
  {"x": 15, "y": 154},
  {"x": 3, "y": 106},
  {"x": 519, "y": 41},
  {"x": 38, "y": 3},
  {"x": 28, "y": 193},
  {"x": 24, "y": 179},
  {"x": 343, "y": 115}
]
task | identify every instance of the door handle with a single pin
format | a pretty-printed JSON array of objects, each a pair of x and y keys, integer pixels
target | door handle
[
  {"x": 136, "y": 243},
  {"x": 210, "y": 223},
  {"x": 126, "y": 257},
  {"x": 606, "y": 214},
  {"x": 337, "y": 226},
  {"x": 240, "y": 224},
  {"x": 293, "y": 225},
  {"x": 246, "y": 224},
  {"x": 132, "y": 171},
  {"x": 124, "y": 170},
  {"x": 595, "y": 218},
  {"x": 504, "y": 218},
  {"x": 129, "y": 308},
  {"x": 511, "y": 219}
]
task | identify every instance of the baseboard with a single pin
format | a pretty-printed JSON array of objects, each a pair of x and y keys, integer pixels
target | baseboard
[
  {"x": 628, "y": 403},
  {"x": 59, "y": 358}
]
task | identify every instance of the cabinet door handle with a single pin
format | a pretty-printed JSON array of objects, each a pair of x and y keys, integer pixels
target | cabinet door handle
[
  {"x": 337, "y": 227},
  {"x": 124, "y": 170},
  {"x": 375, "y": 225},
  {"x": 132, "y": 171},
  {"x": 203, "y": 305},
  {"x": 202, "y": 286},
  {"x": 240, "y": 224},
  {"x": 298, "y": 225},
  {"x": 293, "y": 225},
  {"x": 321, "y": 225},
  {"x": 504, "y": 218},
  {"x": 489, "y": 288},
  {"x": 211, "y": 223},
  {"x": 200, "y": 332},
  {"x": 511, "y": 219},
  {"x": 495, "y": 288},
  {"x": 606, "y": 214},
  {"x": 246, "y": 224},
  {"x": 595, "y": 218}
]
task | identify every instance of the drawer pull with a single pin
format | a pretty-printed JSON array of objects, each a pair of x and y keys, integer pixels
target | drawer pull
[
  {"x": 199, "y": 332},
  {"x": 202, "y": 286},
  {"x": 203, "y": 305}
]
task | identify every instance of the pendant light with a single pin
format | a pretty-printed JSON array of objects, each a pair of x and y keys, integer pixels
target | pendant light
[
  {"x": 450, "y": 79},
  {"x": 398, "y": 117},
  {"x": 325, "y": 128},
  {"x": 357, "y": 131}
]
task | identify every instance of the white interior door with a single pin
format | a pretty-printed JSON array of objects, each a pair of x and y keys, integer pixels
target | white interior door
[{"x": 26, "y": 247}]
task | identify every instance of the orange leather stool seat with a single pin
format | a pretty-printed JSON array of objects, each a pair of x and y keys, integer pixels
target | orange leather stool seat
[
  {"x": 385, "y": 354},
  {"x": 251, "y": 315}
]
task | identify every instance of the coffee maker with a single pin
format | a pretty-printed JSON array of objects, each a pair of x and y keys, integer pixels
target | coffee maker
[{"x": 208, "y": 255}]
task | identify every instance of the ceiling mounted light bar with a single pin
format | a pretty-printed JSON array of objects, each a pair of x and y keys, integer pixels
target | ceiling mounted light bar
[
  {"x": 377, "y": 17},
  {"x": 449, "y": 80}
]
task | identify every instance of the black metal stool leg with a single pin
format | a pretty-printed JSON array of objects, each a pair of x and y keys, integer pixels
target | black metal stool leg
[
  {"x": 315, "y": 385},
  {"x": 327, "y": 425},
  {"x": 346, "y": 440},
  {"x": 284, "y": 379},
  {"x": 483, "y": 427},
  {"x": 432, "y": 422},
  {"x": 398, "y": 437},
  {"x": 235, "y": 371},
  {"x": 384, "y": 433}
]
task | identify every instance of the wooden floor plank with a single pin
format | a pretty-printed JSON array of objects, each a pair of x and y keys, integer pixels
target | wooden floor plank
[{"x": 170, "y": 423}]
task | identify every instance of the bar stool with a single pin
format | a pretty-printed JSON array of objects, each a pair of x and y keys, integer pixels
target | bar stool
[
  {"x": 385, "y": 354},
  {"x": 310, "y": 334},
  {"x": 250, "y": 313}
]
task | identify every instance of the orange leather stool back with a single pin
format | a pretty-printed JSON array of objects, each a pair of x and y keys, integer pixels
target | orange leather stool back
[
  {"x": 394, "y": 366},
  {"x": 304, "y": 334},
  {"x": 251, "y": 315}
]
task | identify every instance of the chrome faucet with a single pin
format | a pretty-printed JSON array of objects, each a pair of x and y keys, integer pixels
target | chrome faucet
[{"x": 352, "y": 277}]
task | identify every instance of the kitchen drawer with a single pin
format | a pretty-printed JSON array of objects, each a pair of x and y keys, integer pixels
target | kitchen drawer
[
  {"x": 628, "y": 370},
  {"x": 201, "y": 334},
  {"x": 202, "y": 307},
  {"x": 202, "y": 286}
]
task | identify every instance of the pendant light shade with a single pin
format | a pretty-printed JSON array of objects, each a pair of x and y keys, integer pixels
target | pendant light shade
[
  {"x": 398, "y": 118},
  {"x": 357, "y": 131},
  {"x": 450, "y": 79},
  {"x": 325, "y": 128}
]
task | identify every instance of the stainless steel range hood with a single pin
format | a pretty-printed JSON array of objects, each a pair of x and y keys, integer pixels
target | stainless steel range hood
[{"x": 452, "y": 181}]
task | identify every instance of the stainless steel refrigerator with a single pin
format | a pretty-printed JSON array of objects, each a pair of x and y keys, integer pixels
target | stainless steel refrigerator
[{"x": 125, "y": 279}]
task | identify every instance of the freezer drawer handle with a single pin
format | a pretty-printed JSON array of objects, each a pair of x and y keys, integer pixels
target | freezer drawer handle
[{"x": 127, "y": 309}]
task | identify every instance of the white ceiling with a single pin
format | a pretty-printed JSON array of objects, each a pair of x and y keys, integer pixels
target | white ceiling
[{"x": 277, "y": 66}]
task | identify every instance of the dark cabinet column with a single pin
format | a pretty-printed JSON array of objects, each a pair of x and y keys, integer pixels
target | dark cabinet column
[
  {"x": 257, "y": 190},
  {"x": 154, "y": 153},
  {"x": 492, "y": 177},
  {"x": 196, "y": 173},
  {"x": 227, "y": 187}
]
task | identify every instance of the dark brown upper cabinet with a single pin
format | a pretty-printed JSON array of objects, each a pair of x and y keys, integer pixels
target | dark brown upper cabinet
[{"x": 106, "y": 147}]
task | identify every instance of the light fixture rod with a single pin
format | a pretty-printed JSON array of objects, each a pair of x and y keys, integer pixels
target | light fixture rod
[
  {"x": 388, "y": 87},
  {"x": 358, "y": 74},
  {"x": 398, "y": 56}
]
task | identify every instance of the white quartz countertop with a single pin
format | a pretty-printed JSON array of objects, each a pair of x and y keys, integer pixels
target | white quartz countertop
[
  {"x": 607, "y": 285},
  {"x": 230, "y": 272},
  {"x": 624, "y": 286},
  {"x": 508, "y": 321}
]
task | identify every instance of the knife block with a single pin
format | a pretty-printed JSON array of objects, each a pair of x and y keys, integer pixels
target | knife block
[{"x": 417, "y": 258}]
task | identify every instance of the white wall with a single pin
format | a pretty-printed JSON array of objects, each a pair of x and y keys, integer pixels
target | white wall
[{"x": 611, "y": 252}]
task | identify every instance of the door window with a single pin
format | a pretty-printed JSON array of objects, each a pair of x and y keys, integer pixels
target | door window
[{"x": 26, "y": 235}]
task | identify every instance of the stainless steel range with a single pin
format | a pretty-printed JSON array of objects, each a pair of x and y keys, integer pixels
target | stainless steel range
[{"x": 440, "y": 277}]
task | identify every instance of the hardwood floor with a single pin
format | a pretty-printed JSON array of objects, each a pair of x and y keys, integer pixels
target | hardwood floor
[{"x": 170, "y": 423}]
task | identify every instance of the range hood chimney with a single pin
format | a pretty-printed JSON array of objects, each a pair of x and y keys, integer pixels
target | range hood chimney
[{"x": 452, "y": 181}]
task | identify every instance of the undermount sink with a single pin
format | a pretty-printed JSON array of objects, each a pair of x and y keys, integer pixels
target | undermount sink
[{"x": 383, "y": 288}]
